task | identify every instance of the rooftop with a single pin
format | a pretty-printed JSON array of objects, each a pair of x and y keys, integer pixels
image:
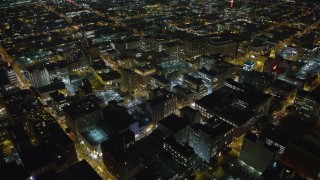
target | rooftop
[
  {"x": 20, "y": 102},
  {"x": 19, "y": 171},
  {"x": 80, "y": 171},
  {"x": 301, "y": 160},
  {"x": 233, "y": 104},
  {"x": 182, "y": 89},
  {"x": 56, "y": 96},
  {"x": 172, "y": 44},
  {"x": 54, "y": 65},
  {"x": 99, "y": 65},
  {"x": 160, "y": 99},
  {"x": 174, "y": 123},
  {"x": 314, "y": 95},
  {"x": 283, "y": 85},
  {"x": 161, "y": 79},
  {"x": 184, "y": 150},
  {"x": 112, "y": 75},
  {"x": 213, "y": 132},
  {"x": 4, "y": 80},
  {"x": 145, "y": 69},
  {"x": 188, "y": 109},
  {"x": 81, "y": 108},
  {"x": 51, "y": 87},
  {"x": 115, "y": 119},
  {"x": 94, "y": 135},
  {"x": 252, "y": 137},
  {"x": 192, "y": 79}
]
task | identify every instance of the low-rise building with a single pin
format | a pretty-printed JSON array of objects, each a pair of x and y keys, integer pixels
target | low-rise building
[{"x": 240, "y": 106}]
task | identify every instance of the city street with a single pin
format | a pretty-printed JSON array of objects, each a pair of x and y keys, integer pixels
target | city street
[{"x": 82, "y": 153}]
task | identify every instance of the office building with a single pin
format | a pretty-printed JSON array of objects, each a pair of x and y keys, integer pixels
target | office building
[
  {"x": 161, "y": 106},
  {"x": 5, "y": 83},
  {"x": 195, "y": 85},
  {"x": 159, "y": 81},
  {"x": 207, "y": 141},
  {"x": 116, "y": 120},
  {"x": 19, "y": 103},
  {"x": 57, "y": 70},
  {"x": 195, "y": 46},
  {"x": 184, "y": 96},
  {"x": 191, "y": 115},
  {"x": 236, "y": 104},
  {"x": 128, "y": 80},
  {"x": 183, "y": 154},
  {"x": 256, "y": 153},
  {"x": 119, "y": 157},
  {"x": 176, "y": 127},
  {"x": 144, "y": 75},
  {"x": 44, "y": 91},
  {"x": 303, "y": 157},
  {"x": 175, "y": 50},
  {"x": 222, "y": 45},
  {"x": 281, "y": 88},
  {"x": 58, "y": 100},
  {"x": 218, "y": 73},
  {"x": 38, "y": 76},
  {"x": 307, "y": 106},
  {"x": 82, "y": 115},
  {"x": 112, "y": 78}
]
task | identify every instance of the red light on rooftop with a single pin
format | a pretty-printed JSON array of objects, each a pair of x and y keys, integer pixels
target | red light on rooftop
[
  {"x": 274, "y": 67},
  {"x": 231, "y": 3}
]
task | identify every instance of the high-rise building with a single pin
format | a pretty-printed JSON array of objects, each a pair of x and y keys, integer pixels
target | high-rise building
[
  {"x": 191, "y": 115},
  {"x": 144, "y": 75},
  {"x": 159, "y": 81},
  {"x": 222, "y": 45},
  {"x": 11, "y": 75},
  {"x": 256, "y": 153},
  {"x": 161, "y": 106},
  {"x": 38, "y": 76},
  {"x": 183, "y": 154},
  {"x": 218, "y": 73},
  {"x": 57, "y": 70},
  {"x": 307, "y": 106},
  {"x": 175, "y": 50},
  {"x": 195, "y": 85},
  {"x": 207, "y": 61},
  {"x": 207, "y": 141},
  {"x": 195, "y": 46},
  {"x": 176, "y": 127},
  {"x": 82, "y": 115},
  {"x": 58, "y": 100},
  {"x": 5, "y": 83},
  {"x": 129, "y": 80},
  {"x": 119, "y": 158},
  {"x": 116, "y": 119},
  {"x": 184, "y": 96}
]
